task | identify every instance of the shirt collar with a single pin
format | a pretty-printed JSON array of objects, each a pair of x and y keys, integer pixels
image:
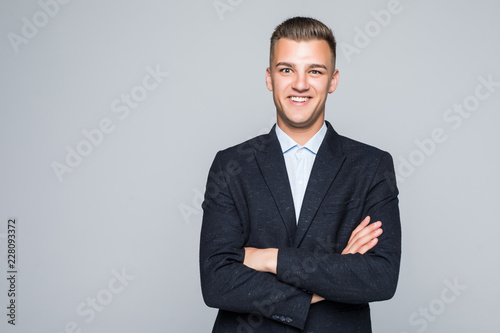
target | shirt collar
[{"x": 312, "y": 145}]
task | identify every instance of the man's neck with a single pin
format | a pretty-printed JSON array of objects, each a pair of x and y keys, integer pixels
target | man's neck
[{"x": 301, "y": 135}]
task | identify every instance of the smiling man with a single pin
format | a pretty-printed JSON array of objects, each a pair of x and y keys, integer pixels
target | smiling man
[
  {"x": 287, "y": 243},
  {"x": 302, "y": 75}
]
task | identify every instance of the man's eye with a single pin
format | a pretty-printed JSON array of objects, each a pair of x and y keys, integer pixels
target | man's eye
[
  {"x": 286, "y": 70},
  {"x": 315, "y": 72}
]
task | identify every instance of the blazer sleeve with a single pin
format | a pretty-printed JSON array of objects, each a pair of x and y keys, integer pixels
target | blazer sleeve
[
  {"x": 226, "y": 283},
  {"x": 354, "y": 278}
]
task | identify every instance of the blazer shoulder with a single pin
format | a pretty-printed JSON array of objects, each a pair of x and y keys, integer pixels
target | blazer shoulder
[
  {"x": 246, "y": 149},
  {"x": 351, "y": 146}
]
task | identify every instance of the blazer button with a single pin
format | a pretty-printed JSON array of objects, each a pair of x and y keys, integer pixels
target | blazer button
[
  {"x": 282, "y": 318},
  {"x": 275, "y": 317},
  {"x": 289, "y": 320}
]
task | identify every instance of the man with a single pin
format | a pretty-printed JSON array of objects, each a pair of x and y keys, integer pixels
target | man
[{"x": 282, "y": 247}]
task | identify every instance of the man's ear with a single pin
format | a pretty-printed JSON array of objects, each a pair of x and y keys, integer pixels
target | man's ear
[
  {"x": 334, "y": 81},
  {"x": 269, "y": 79}
]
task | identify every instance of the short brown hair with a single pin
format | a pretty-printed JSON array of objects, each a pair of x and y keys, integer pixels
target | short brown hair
[{"x": 303, "y": 28}]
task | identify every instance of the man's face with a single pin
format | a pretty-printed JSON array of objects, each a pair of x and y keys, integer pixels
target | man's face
[{"x": 301, "y": 75}]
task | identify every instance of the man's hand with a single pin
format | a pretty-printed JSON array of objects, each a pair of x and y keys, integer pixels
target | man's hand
[
  {"x": 364, "y": 237},
  {"x": 262, "y": 260}
]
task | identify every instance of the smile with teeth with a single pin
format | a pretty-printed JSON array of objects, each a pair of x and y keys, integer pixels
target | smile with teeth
[{"x": 299, "y": 99}]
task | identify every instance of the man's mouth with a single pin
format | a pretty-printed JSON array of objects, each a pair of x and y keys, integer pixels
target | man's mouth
[{"x": 299, "y": 99}]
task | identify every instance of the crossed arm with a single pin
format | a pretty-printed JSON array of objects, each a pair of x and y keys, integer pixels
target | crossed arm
[{"x": 362, "y": 239}]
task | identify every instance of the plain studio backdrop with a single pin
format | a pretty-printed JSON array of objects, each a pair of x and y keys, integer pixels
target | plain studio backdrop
[{"x": 111, "y": 114}]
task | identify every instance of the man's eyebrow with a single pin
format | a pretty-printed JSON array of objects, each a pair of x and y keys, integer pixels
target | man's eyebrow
[
  {"x": 289, "y": 64},
  {"x": 317, "y": 66},
  {"x": 286, "y": 64}
]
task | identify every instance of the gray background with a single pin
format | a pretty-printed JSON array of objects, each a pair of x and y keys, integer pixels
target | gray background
[{"x": 134, "y": 202}]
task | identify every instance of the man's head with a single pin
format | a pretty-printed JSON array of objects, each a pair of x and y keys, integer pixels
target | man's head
[
  {"x": 301, "y": 74},
  {"x": 303, "y": 29}
]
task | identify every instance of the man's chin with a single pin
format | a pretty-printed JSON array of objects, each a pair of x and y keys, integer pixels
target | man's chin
[{"x": 299, "y": 124}]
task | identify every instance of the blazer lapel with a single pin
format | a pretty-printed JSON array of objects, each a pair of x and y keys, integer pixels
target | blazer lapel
[
  {"x": 272, "y": 166},
  {"x": 326, "y": 166}
]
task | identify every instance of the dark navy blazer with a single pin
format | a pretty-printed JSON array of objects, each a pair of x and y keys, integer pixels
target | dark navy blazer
[{"x": 248, "y": 203}]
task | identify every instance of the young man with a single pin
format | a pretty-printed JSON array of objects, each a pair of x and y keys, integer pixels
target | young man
[{"x": 282, "y": 247}]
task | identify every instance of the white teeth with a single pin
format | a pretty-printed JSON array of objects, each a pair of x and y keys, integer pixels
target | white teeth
[{"x": 299, "y": 99}]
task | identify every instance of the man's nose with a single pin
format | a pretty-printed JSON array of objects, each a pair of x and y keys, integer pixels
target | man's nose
[{"x": 300, "y": 82}]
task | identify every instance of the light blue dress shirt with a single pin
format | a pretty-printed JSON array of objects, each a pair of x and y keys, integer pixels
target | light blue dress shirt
[{"x": 299, "y": 161}]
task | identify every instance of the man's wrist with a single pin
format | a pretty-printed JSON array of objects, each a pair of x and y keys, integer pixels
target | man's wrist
[
  {"x": 262, "y": 260},
  {"x": 271, "y": 261}
]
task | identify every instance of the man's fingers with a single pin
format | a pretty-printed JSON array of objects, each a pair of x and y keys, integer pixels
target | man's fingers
[
  {"x": 364, "y": 240},
  {"x": 368, "y": 246},
  {"x": 364, "y": 237},
  {"x": 365, "y": 231},
  {"x": 366, "y": 243},
  {"x": 360, "y": 227}
]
